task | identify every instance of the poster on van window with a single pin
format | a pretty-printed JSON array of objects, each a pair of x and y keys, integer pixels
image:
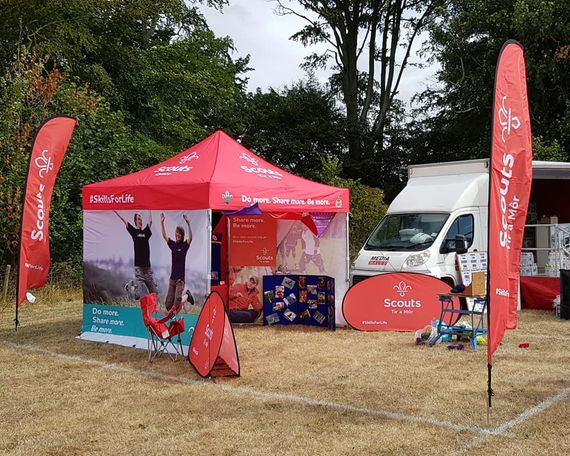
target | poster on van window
[
  {"x": 395, "y": 302},
  {"x": 510, "y": 182},
  {"x": 130, "y": 253}
]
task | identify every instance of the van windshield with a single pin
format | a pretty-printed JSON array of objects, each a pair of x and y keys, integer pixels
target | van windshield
[{"x": 406, "y": 232}]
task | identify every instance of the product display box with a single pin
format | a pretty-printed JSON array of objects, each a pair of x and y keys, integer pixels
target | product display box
[{"x": 299, "y": 299}]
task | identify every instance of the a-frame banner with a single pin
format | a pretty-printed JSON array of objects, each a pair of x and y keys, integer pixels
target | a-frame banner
[
  {"x": 48, "y": 151},
  {"x": 213, "y": 349},
  {"x": 510, "y": 182}
]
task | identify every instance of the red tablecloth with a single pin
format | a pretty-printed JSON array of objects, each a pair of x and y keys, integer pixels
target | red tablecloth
[{"x": 539, "y": 292}]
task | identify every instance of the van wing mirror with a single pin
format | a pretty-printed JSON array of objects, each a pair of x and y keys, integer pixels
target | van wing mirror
[
  {"x": 460, "y": 244},
  {"x": 457, "y": 245}
]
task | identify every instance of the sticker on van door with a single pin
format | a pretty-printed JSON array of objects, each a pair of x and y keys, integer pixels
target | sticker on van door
[{"x": 378, "y": 260}]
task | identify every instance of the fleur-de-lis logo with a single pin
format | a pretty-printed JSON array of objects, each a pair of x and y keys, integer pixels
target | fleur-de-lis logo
[
  {"x": 227, "y": 197},
  {"x": 209, "y": 332},
  {"x": 248, "y": 159},
  {"x": 44, "y": 163},
  {"x": 507, "y": 120},
  {"x": 189, "y": 157},
  {"x": 402, "y": 288},
  {"x": 264, "y": 251}
]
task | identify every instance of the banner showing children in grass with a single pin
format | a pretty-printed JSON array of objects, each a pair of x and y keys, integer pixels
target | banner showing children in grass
[{"x": 130, "y": 253}]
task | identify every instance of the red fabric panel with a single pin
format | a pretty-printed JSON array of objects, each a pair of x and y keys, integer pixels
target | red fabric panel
[
  {"x": 213, "y": 343},
  {"x": 222, "y": 290},
  {"x": 228, "y": 352},
  {"x": 539, "y": 292},
  {"x": 510, "y": 181},
  {"x": 207, "y": 337},
  {"x": 47, "y": 155}
]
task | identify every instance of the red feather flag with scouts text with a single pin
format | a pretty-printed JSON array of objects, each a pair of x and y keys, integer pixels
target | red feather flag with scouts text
[
  {"x": 510, "y": 182},
  {"x": 47, "y": 155}
]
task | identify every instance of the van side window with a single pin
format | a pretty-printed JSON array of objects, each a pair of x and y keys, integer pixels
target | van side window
[{"x": 461, "y": 225}]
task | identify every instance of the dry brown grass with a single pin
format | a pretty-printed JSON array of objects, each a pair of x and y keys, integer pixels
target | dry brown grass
[{"x": 63, "y": 396}]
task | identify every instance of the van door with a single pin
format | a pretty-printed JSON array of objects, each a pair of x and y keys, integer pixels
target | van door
[{"x": 463, "y": 224}]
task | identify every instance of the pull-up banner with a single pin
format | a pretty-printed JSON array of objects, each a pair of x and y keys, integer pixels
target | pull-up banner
[
  {"x": 47, "y": 155},
  {"x": 395, "y": 302},
  {"x": 510, "y": 182},
  {"x": 213, "y": 348}
]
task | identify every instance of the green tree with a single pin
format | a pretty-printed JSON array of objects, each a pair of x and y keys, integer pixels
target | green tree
[
  {"x": 102, "y": 147},
  {"x": 181, "y": 91},
  {"x": 155, "y": 60},
  {"x": 466, "y": 43},
  {"x": 295, "y": 127},
  {"x": 372, "y": 34}
]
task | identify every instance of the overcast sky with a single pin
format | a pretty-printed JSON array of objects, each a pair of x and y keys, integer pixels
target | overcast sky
[{"x": 256, "y": 30}]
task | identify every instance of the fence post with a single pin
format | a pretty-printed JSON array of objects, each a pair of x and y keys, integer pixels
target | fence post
[{"x": 6, "y": 281}]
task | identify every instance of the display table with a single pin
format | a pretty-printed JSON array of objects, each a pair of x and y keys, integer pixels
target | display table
[
  {"x": 299, "y": 299},
  {"x": 477, "y": 316},
  {"x": 539, "y": 292}
]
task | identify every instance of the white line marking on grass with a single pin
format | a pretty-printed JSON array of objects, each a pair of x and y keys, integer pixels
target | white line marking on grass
[
  {"x": 240, "y": 390},
  {"x": 501, "y": 430},
  {"x": 529, "y": 413}
]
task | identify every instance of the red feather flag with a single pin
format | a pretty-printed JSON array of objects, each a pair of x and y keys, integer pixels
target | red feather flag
[
  {"x": 47, "y": 155},
  {"x": 510, "y": 183}
]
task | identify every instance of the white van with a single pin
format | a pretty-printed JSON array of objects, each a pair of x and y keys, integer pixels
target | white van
[{"x": 439, "y": 202}]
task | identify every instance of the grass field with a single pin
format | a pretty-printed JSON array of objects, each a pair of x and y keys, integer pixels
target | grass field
[{"x": 303, "y": 391}]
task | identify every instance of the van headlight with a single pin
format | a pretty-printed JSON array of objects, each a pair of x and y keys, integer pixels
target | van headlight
[{"x": 417, "y": 259}]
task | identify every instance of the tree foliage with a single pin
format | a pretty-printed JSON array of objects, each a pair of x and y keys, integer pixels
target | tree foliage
[
  {"x": 101, "y": 147},
  {"x": 466, "y": 43},
  {"x": 127, "y": 51},
  {"x": 179, "y": 92},
  {"x": 371, "y": 34},
  {"x": 294, "y": 128}
]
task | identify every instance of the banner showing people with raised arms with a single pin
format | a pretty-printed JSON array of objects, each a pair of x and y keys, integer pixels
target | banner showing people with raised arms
[
  {"x": 143, "y": 270},
  {"x": 124, "y": 260},
  {"x": 179, "y": 248}
]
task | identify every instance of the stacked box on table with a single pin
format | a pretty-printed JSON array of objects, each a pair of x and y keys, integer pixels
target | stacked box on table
[{"x": 299, "y": 299}]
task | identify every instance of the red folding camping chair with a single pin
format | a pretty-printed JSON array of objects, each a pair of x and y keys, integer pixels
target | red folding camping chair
[{"x": 161, "y": 332}]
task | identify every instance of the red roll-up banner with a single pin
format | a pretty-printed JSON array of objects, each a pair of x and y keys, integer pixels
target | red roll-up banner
[
  {"x": 47, "y": 155},
  {"x": 510, "y": 182}
]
